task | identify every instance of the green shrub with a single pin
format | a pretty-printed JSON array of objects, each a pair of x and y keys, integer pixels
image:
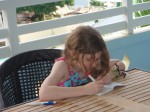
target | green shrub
[
  {"x": 42, "y": 9},
  {"x": 142, "y": 13}
]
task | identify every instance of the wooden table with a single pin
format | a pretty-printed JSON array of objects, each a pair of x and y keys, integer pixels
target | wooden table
[{"x": 135, "y": 97}]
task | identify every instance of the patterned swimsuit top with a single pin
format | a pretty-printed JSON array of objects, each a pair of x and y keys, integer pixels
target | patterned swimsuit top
[{"x": 74, "y": 78}]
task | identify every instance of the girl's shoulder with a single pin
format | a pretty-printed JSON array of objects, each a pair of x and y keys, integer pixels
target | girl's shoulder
[
  {"x": 62, "y": 62},
  {"x": 59, "y": 71},
  {"x": 60, "y": 58}
]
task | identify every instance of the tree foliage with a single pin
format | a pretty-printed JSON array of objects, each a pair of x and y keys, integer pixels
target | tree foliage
[
  {"x": 144, "y": 12},
  {"x": 96, "y": 3},
  {"x": 45, "y": 8}
]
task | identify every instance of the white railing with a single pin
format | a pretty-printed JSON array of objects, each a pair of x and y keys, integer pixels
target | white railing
[{"x": 11, "y": 31}]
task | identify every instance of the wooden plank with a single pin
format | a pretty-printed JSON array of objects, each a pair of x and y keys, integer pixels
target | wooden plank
[
  {"x": 107, "y": 108},
  {"x": 17, "y": 108},
  {"x": 79, "y": 104},
  {"x": 126, "y": 103},
  {"x": 137, "y": 91},
  {"x": 89, "y": 106},
  {"x": 140, "y": 95},
  {"x": 124, "y": 110},
  {"x": 26, "y": 107},
  {"x": 36, "y": 108},
  {"x": 65, "y": 103},
  {"x": 133, "y": 90},
  {"x": 99, "y": 107},
  {"x": 130, "y": 88},
  {"x": 129, "y": 78},
  {"x": 116, "y": 109},
  {"x": 133, "y": 82},
  {"x": 144, "y": 99}
]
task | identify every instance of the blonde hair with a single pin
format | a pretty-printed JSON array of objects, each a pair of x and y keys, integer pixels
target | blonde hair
[{"x": 86, "y": 40}]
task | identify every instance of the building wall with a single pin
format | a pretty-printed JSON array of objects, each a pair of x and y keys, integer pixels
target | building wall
[
  {"x": 81, "y": 3},
  {"x": 136, "y": 47}
]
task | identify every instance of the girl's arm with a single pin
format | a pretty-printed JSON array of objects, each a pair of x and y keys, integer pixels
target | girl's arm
[
  {"x": 118, "y": 69},
  {"x": 109, "y": 77},
  {"x": 50, "y": 91},
  {"x": 113, "y": 62},
  {"x": 118, "y": 62}
]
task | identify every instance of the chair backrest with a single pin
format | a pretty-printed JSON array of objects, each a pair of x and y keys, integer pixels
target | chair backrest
[{"x": 22, "y": 75}]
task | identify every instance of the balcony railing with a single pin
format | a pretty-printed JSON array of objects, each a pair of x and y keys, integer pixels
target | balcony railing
[{"x": 11, "y": 30}]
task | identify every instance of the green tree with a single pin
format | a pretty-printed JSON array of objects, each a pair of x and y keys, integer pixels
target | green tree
[
  {"x": 42, "y": 9},
  {"x": 45, "y": 8},
  {"x": 69, "y": 2},
  {"x": 96, "y": 3},
  {"x": 144, "y": 12}
]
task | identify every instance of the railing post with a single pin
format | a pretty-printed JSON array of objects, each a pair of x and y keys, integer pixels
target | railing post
[
  {"x": 9, "y": 19},
  {"x": 129, "y": 15}
]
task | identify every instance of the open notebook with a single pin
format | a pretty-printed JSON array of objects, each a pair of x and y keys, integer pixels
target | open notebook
[{"x": 109, "y": 87}]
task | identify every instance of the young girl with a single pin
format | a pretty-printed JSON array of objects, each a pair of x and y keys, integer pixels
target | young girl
[{"x": 85, "y": 51}]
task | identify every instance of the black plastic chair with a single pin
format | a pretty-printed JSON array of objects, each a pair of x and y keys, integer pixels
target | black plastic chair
[{"x": 21, "y": 75}]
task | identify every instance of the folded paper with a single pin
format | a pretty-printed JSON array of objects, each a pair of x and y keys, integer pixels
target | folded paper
[{"x": 110, "y": 87}]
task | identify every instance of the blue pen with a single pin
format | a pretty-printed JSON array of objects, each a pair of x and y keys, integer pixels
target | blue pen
[{"x": 42, "y": 103}]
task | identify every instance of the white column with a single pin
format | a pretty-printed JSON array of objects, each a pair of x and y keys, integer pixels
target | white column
[
  {"x": 129, "y": 15},
  {"x": 9, "y": 19}
]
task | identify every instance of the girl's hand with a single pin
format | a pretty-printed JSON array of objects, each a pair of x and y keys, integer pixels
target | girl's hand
[
  {"x": 93, "y": 87},
  {"x": 106, "y": 79}
]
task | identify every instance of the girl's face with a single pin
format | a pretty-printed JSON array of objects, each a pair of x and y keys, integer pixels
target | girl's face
[{"x": 87, "y": 61}]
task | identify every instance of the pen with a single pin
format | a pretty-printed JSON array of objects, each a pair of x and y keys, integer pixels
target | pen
[
  {"x": 43, "y": 103},
  {"x": 90, "y": 76}
]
